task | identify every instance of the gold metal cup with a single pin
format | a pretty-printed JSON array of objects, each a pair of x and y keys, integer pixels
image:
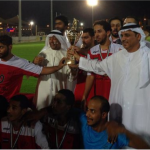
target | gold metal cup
[{"x": 72, "y": 36}]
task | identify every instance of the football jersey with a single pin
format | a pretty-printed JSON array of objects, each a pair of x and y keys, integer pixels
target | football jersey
[
  {"x": 102, "y": 82},
  {"x": 11, "y": 75},
  {"x": 70, "y": 140},
  {"x": 29, "y": 138},
  {"x": 94, "y": 52}
]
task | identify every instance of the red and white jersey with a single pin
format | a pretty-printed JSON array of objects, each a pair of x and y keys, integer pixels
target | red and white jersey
[
  {"x": 30, "y": 137},
  {"x": 72, "y": 137},
  {"x": 11, "y": 74},
  {"x": 94, "y": 53},
  {"x": 80, "y": 86}
]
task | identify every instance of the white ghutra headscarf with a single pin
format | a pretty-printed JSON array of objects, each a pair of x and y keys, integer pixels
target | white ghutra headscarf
[
  {"x": 60, "y": 38},
  {"x": 135, "y": 28}
]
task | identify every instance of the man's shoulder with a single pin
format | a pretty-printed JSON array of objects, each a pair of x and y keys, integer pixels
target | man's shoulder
[
  {"x": 5, "y": 125},
  {"x": 14, "y": 60},
  {"x": 95, "y": 47},
  {"x": 17, "y": 61},
  {"x": 116, "y": 47},
  {"x": 148, "y": 44},
  {"x": 94, "y": 50}
]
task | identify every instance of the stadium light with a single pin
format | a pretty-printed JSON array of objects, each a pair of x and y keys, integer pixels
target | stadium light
[
  {"x": 92, "y": 3},
  {"x": 31, "y": 23},
  {"x": 81, "y": 24}
]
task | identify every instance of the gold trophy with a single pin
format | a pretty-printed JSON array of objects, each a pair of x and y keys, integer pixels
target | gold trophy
[{"x": 73, "y": 38}]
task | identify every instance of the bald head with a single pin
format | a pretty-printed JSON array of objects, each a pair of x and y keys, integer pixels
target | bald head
[{"x": 105, "y": 107}]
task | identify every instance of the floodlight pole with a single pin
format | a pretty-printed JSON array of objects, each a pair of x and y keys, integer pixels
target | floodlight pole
[
  {"x": 19, "y": 31},
  {"x": 51, "y": 15},
  {"x": 92, "y": 16}
]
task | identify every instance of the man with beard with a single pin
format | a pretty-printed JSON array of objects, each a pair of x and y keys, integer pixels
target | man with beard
[
  {"x": 101, "y": 51},
  {"x": 61, "y": 24},
  {"x": 116, "y": 24},
  {"x": 88, "y": 42},
  {"x": 12, "y": 69}
]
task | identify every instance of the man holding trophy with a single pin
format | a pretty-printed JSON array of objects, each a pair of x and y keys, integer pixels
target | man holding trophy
[{"x": 49, "y": 85}]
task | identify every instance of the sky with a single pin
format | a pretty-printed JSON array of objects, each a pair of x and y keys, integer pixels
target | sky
[{"x": 39, "y": 11}]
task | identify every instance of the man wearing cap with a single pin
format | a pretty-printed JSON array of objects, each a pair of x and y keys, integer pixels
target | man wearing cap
[
  {"x": 49, "y": 85},
  {"x": 129, "y": 71}
]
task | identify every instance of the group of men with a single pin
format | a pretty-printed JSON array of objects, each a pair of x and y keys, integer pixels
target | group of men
[{"x": 121, "y": 80}]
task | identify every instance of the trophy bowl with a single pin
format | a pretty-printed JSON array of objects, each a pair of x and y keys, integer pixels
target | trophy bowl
[{"x": 72, "y": 37}]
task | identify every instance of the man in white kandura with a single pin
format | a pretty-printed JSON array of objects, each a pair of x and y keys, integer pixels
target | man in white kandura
[
  {"x": 49, "y": 85},
  {"x": 129, "y": 71}
]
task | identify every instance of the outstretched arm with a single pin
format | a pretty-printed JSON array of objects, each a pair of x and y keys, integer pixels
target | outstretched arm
[{"x": 95, "y": 66}]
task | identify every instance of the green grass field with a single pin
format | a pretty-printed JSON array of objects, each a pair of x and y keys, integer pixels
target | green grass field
[{"x": 28, "y": 51}]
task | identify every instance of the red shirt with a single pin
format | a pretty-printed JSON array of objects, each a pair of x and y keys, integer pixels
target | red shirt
[
  {"x": 80, "y": 87},
  {"x": 71, "y": 139},
  {"x": 11, "y": 74},
  {"x": 29, "y": 138},
  {"x": 102, "y": 82}
]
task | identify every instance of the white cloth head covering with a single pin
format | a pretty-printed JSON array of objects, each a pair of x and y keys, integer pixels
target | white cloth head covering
[
  {"x": 144, "y": 52},
  {"x": 60, "y": 38},
  {"x": 135, "y": 28}
]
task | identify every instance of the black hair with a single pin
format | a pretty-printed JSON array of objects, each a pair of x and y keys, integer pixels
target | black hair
[
  {"x": 24, "y": 102},
  {"x": 105, "y": 107},
  {"x": 89, "y": 30},
  {"x": 70, "y": 99},
  {"x": 3, "y": 103},
  {"x": 105, "y": 24},
  {"x": 6, "y": 40},
  {"x": 116, "y": 18},
  {"x": 135, "y": 18},
  {"x": 64, "y": 19}
]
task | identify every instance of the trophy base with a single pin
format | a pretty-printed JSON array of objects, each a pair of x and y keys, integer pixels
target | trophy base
[{"x": 68, "y": 61}]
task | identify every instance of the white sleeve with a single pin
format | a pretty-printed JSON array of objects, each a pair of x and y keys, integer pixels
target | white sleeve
[
  {"x": 31, "y": 69},
  {"x": 97, "y": 66},
  {"x": 27, "y": 68},
  {"x": 40, "y": 138},
  {"x": 88, "y": 57}
]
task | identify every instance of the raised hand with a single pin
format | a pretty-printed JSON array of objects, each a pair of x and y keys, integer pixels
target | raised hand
[
  {"x": 38, "y": 60},
  {"x": 62, "y": 62}
]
